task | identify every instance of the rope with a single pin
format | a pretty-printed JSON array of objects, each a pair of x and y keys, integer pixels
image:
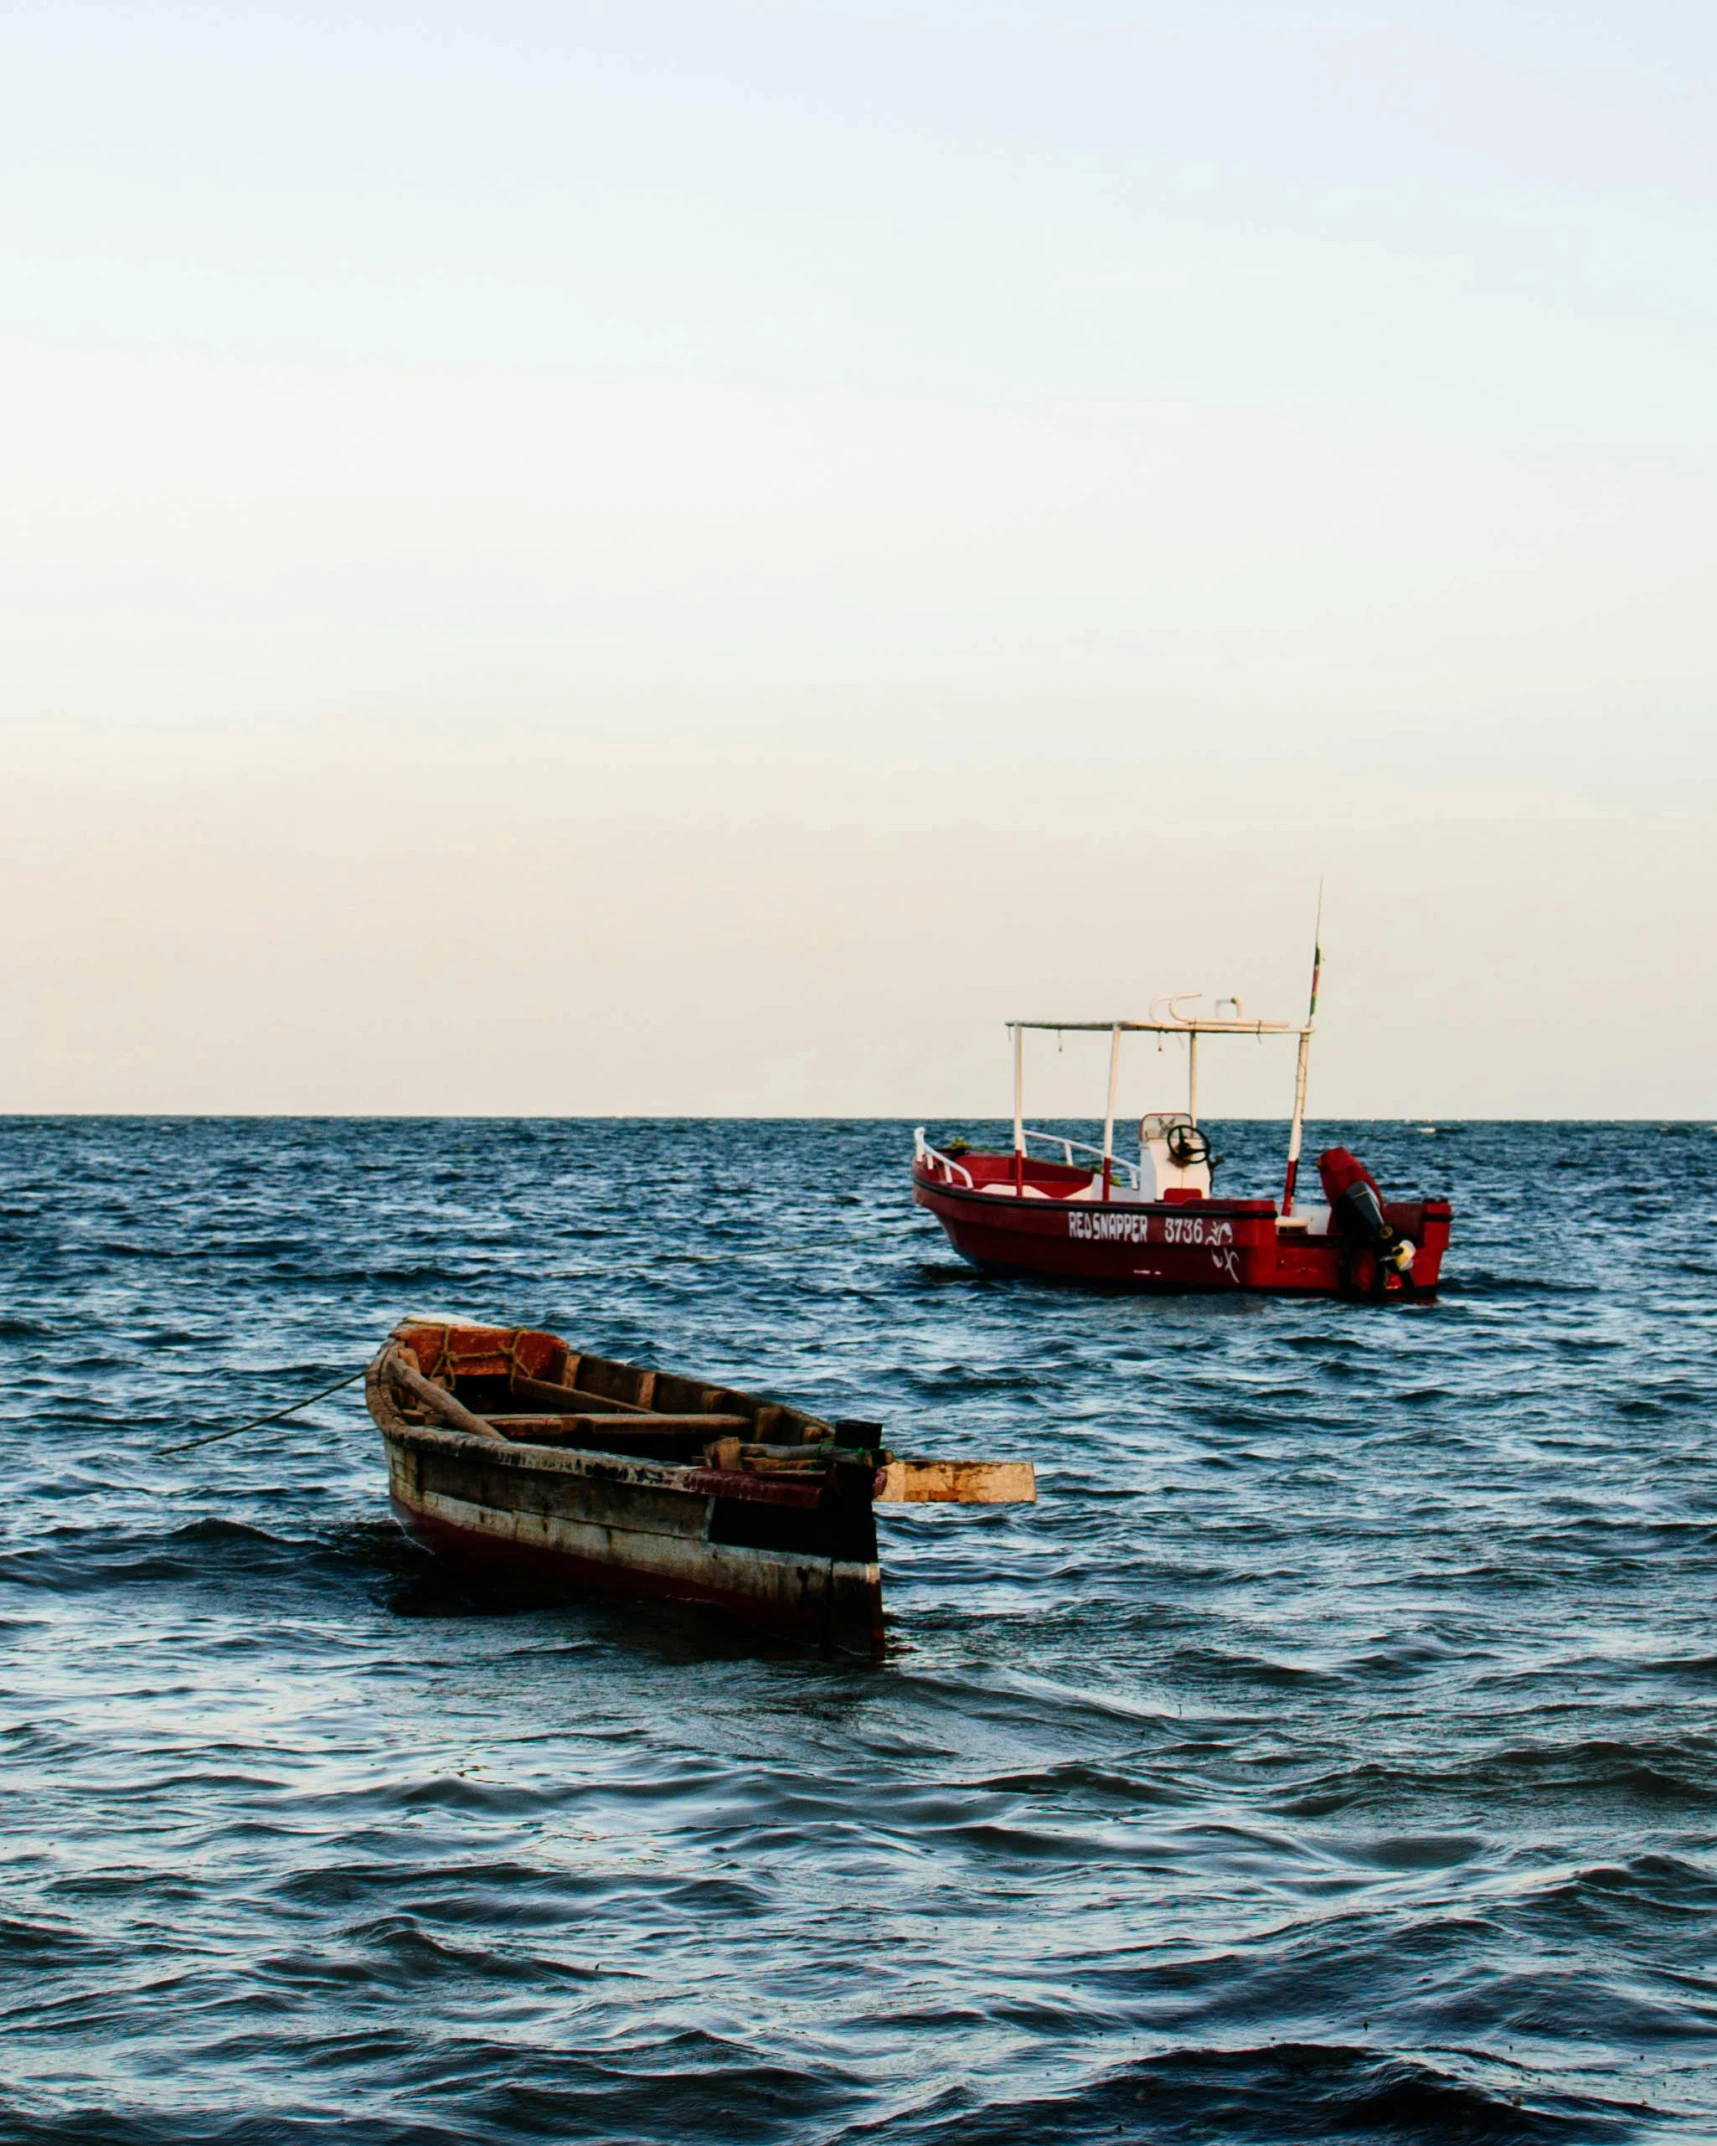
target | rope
[{"x": 255, "y": 1424}]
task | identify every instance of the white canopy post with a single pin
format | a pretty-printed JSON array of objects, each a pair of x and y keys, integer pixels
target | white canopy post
[
  {"x": 1297, "y": 1128},
  {"x": 1019, "y": 1108},
  {"x": 1302, "y": 1064},
  {"x": 1192, "y": 1076},
  {"x": 1109, "y": 1113}
]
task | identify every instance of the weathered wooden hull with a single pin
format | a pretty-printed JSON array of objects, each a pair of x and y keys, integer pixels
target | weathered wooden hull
[{"x": 539, "y": 1525}]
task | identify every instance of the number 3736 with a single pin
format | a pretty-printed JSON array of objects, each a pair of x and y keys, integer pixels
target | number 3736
[{"x": 1194, "y": 1229}]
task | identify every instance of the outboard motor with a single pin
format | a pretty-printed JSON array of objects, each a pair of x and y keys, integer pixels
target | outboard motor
[{"x": 1356, "y": 1208}]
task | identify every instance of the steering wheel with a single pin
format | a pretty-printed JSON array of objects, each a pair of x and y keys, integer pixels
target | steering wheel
[{"x": 1188, "y": 1148}]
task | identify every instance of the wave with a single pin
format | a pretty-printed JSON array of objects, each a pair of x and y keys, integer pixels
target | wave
[
  {"x": 1277, "y": 2094},
  {"x": 1351, "y": 1668}
]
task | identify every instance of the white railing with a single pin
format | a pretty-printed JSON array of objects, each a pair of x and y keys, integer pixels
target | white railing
[
  {"x": 1120, "y": 1170},
  {"x": 924, "y": 1152}
]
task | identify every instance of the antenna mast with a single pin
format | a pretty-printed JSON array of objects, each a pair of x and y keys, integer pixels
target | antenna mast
[{"x": 1301, "y": 1061}]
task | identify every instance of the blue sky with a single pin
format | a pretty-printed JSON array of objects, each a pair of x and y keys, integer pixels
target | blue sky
[{"x": 1476, "y": 218}]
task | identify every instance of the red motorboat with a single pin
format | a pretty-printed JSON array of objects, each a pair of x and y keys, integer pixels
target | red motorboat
[{"x": 1156, "y": 1224}]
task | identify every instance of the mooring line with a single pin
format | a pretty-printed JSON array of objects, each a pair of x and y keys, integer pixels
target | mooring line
[{"x": 257, "y": 1422}]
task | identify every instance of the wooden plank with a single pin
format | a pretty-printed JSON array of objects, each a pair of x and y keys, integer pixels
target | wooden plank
[
  {"x": 563, "y": 1399},
  {"x": 608, "y": 1378},
  {"x": 564, "y": 1424},
  {"x": 957, "y": 1482},
  {"x": 570, "y": 1400},
  {"x": 437, "y": 1399}
]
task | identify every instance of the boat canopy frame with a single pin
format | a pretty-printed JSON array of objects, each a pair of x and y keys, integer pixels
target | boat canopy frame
[{"x": 1171, "y": 1022}]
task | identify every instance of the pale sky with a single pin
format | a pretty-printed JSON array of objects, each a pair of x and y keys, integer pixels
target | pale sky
[{"x": 698, "y": 557}]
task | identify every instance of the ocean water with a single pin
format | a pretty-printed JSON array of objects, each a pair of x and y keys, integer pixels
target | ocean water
[{"x": 1330, "y": 1754}]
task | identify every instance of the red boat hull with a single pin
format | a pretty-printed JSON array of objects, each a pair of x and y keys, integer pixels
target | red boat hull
[{"x": 1205, "y": 1244}]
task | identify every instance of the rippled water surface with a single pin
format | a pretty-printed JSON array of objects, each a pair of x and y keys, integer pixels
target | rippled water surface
[{"x": 1329, "y": 1754}]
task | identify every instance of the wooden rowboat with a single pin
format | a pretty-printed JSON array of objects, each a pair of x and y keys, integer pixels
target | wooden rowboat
[{"x": 542, "y": 1471}]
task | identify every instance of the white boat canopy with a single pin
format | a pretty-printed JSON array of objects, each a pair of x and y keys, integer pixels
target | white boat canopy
[{"x": 1167, "y": 1020}]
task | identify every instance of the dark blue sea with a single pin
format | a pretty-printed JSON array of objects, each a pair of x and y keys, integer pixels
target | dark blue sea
[{"x": 1330, "y": 1754}]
